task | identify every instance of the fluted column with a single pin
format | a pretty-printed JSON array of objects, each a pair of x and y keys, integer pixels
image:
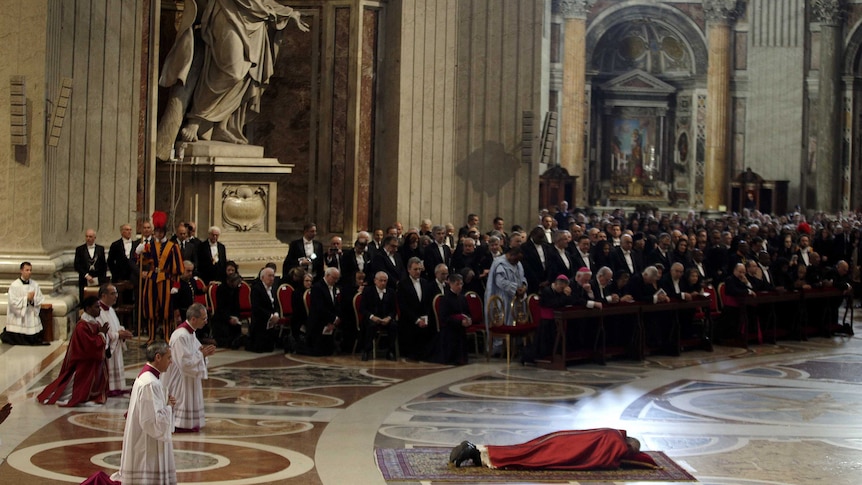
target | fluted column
[
  {"x": 719, "y": 15},
  {"x": 828, "y": 172},
  {"x": 573, "y": 108}
]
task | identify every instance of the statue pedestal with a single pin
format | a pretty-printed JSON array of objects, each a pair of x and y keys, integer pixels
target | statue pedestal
[{"x": 230, "y": 186}]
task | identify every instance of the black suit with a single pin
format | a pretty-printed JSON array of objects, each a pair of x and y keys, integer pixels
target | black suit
[
  {"x": 188, "y": 249},
  {"x": 208, "y": 270},
  {"x": 556, "y": 266},
  {"x": 381, "y": 262},
  {"x": 618, "y": 261},
  {"x": 432, "y": 258},
  {"x": 534, "y": 270},
  {"x": 349, "y": 267},
  {"x": 452, "y": 341},
  {"x": 297, "y": 251},
  {"x": 656, "y": 257},
  {"x": 415, "y": 340},
  {"x": 97, "y": 266},
  {"x": 372, "y": 304},
  {"x": 263, "y": 305},
  {"x": 122, "y": 268},
  {"x": 321, "y": 312},
  {"x": 580, "y": 262},
  {"x": 224, "y": 333},
  {"x": 640, "y": 290}
]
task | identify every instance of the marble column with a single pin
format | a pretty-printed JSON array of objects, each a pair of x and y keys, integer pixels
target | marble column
[
  {"x": 828, "y": 171},
  {"x": 719, "y": 15},
  {"x": 574, "y": 86}
]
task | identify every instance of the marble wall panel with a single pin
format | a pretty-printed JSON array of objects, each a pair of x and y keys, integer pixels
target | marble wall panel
[
  {"x": 341, "y": 143},
  {"x": 288, "y": 122},
  {"x": 367, "y": 114}
]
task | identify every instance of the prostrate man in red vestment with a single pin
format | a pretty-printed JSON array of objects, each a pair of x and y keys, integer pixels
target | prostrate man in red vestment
[
  {"x": 148, "y": 452},
  {"x": 591, "y": 449},
  {"x": 161, "y": 265},
  {"x": 84, "y": 375},
  {"x": 183, "y": 380}
]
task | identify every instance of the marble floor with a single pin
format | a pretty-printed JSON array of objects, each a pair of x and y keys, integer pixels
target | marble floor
[{"x": 773, "y": 414}]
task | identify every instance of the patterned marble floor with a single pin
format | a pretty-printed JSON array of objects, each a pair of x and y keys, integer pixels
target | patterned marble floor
[{"x": 773, "y": 414}]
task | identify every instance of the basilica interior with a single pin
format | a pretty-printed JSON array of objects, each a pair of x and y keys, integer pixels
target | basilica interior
[{"x": 401, "y": 110}]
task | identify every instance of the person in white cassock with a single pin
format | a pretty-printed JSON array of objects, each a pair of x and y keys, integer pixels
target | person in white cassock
[
  {"x": 148, "y": 452},
  {"x": 184, "y": 379},
  {"x": 23, "y": 326},
  {"x": 117, "y": 336}
]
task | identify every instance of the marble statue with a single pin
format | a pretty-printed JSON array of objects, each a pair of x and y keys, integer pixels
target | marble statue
[{"x": 217, "y": 77}]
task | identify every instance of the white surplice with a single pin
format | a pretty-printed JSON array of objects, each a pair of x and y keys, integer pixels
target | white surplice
[
  {"x": 183, "y": 378},
  {"x": 116, "y": 371},
  {"x": 23, "y": 317},
  {"x": 148, "y": 453}
]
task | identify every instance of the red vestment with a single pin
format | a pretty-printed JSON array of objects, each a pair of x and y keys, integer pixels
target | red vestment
[
  {"x": 590, "y": 449},
  {"x": 85, "y": 361}
]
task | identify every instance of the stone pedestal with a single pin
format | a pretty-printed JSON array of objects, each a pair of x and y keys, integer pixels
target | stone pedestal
[{"x": 230, "y": 186}]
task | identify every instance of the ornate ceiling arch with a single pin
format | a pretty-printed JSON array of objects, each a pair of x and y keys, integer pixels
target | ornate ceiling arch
[{"x": 653, "y": 37}]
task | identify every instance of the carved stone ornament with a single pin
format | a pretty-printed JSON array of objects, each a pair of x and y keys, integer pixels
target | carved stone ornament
[
  {"x": 244, "y": 207},
  {"x": 828, "y": 12},
  {"x": 721, "y": 10},
  {"x": 575, "y": 9}
]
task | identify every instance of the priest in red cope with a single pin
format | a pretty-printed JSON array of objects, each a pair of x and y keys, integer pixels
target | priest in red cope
[
  {"x": 591, "y": 449},
  {"x": 84, "y": 375}
]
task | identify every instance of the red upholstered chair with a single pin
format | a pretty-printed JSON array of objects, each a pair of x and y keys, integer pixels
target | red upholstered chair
[
  {"x": 284, "y": 295},
  {"x": 245, "y": 301},
  {"x": 306, "y": 297},
  {"x": 477, "y": 314},
  {"x": 202, "y": 297},
  {"x": 357, "y": 301},
  {"x": 519, "y": 328},
  {"x": 435, "y": 305}
]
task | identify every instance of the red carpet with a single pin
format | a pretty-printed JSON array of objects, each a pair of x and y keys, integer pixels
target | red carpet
[{"x": 430, "y": 464}]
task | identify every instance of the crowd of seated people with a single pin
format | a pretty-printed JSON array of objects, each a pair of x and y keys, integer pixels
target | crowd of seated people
[{"x": 602, "y": 258}]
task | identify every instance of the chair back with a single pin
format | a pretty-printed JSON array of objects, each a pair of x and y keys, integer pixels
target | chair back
[
  {"x": 357, "y": 302},
  {"x": 496, "y": 311},
  {"x": 244, "y": 300},
  {"x": 725, "y": 300},
  {"x": 285, "y": 299},
  {"x": 520, "y": 310},
  {"x": 435, "y": 304},
  {"x": 474, "y": 302},
  {"x": 212, "y": 290},
  {"x": 535, "y": 308},
  {"x": 306, "y": 298},
  {"x": 201, "y": 288}
]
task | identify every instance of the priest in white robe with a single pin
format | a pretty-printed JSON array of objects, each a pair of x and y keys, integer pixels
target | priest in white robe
[
  {"x": 117, "y": 336},
  {"x": 148, "y": 452},
  {"x": 23, "y": 326},
  {"x": 184, "y": 379}
]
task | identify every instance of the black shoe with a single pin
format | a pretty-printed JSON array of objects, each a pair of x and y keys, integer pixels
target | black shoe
[
  {"x": 364, "y": 356},
  {"x": 465, "y": 451}
]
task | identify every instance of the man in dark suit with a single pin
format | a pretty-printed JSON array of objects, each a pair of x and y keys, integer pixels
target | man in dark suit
[
  {"x": 264, "y": 313},
  {"x": 535, "y": 259},
  {"x": 212, "y": 258},
  {"x": 625, "y": 258},
  {"x": 324, "y": 313},
  {"x": 188, "y": 247},
  {"x": 121, "y": 255},
  {"x": 581, "y": 254},
  {"x": 389, "y": 261},
  {"x": 355, "y": 259},
  {"x": 378, "y": 313},
  {"x": 437, "y": 252},
  {"x": 306, "y": 252},
  {"x": 416, "y": 330},
  {"x": 90, "y": 263},
  {"x": 661, "y": 254},
  {"x": 560, "y": 260}
]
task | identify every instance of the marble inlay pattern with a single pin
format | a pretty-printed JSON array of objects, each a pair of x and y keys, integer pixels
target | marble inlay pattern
[
  {"x": 249, "y": 396},
  {"x": 835, "y": 368},
  {"x": 522, "y": 390},
  {"x": 587, "y": 376},
  {"x": 215, "y": 428},
  {"x": 299, "y": 377}
]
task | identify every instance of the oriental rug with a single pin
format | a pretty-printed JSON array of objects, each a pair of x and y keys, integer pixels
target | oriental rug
[{"x": 430, "y": 464}]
